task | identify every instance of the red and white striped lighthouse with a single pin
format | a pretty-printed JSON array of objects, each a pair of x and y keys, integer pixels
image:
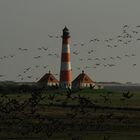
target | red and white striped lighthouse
[{"x": 65, "y": 70}]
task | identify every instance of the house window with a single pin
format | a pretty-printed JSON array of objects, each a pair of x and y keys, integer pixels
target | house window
[{"x": 51, "y": 79}]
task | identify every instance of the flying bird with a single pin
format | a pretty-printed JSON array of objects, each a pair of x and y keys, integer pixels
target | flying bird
[
  {"x": 50, "y": 36},
  {"x": 1, "y": 75},
  {"x": 128, "y": 95},
  {"x": 36, "y": 57}
]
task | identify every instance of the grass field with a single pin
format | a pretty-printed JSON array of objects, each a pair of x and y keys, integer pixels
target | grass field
[{"x": 84, "y": 115}]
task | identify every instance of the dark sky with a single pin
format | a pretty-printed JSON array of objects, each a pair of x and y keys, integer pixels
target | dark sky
[{"x": 26, "y": 24}]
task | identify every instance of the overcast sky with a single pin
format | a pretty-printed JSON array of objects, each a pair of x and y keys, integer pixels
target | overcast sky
[{"x": 34, "y": 24}]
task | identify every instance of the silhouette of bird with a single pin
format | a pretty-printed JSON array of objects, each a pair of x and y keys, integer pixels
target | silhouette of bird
[
  {"x": 138, "y": 26},
  {"x": 128, "y": 95},
  {"x": 82, "y": 44},
  {"x": 109, "y": 46},
  {"x": 75, "y": 52},
  {"x": 50, "y": 54},
  {"x": 50, "y": 36},
  {"x": 111, "y": 65},
  {"x": 57, "y": 36},
  {"x": 74, "y": 44},
  {"x": 57, "y": 55},
  {"x": 22, "y": 49},
  {"x": 30, "y": 76},
  {"x": 36, "y": 57},
  {"x": 125, "y": 26},
  {"x": 19, "y": 75},
  {"x": 104, "y": 65},
  {"x": 89, "y": 59},
  {"x": 97, "y": 64},
  {"x": 45, "y": 67},
  {"x": 78, "y": 68},
  {"x": 104, "y": 58},
  {"x": 1, "y": 75},
  {"x": 39, "y": 48},
  {"x": 135, "y": 32},
  {"x": 115, "y": 45},
  {"x": 111, "y": 57},
  {"x": 126, "y": 55},
  {"x": 91, "y": 40},
  {"x": 81, "y": 59},
  {"x": 37, "y": 66},
  {"x": 118, "y": 57},
  {"x": 28, "y": 68},
  {"x": 45, "y": 48},
  {"x": 96, "y": 59},
  {"x": 11, "y": 56},
  {"x": 133, "y": 55},
  {"x": 120, "y": 40}
]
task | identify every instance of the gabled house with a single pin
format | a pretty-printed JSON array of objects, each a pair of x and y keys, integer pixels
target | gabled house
[
  {"x": 48, "y": 80},
  {"x": 82, "y": 81}
]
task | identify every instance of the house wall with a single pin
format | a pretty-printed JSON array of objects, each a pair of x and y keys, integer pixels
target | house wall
[
  {"x": 52, "y": 84},
  {"x": 82, "y": 85}
]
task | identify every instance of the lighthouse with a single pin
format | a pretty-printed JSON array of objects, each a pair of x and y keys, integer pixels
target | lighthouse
[{"x": 65, "y": 69}]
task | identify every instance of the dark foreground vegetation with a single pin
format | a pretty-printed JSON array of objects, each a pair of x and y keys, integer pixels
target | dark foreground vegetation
[{"x": 36, "y": 112}]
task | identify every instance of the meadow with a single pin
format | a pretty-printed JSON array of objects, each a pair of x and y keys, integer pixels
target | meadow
[{"x": 56, "y": 114}]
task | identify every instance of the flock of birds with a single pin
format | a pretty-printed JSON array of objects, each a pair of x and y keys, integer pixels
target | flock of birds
[
  {"x": 84, "y": 53},
  {"x": 123, "y": 41}
]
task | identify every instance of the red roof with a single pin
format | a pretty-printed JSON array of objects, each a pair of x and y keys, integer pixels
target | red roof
[
  {"x": 48, "y": 78},
  {"x": 82, "y": 78}
]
